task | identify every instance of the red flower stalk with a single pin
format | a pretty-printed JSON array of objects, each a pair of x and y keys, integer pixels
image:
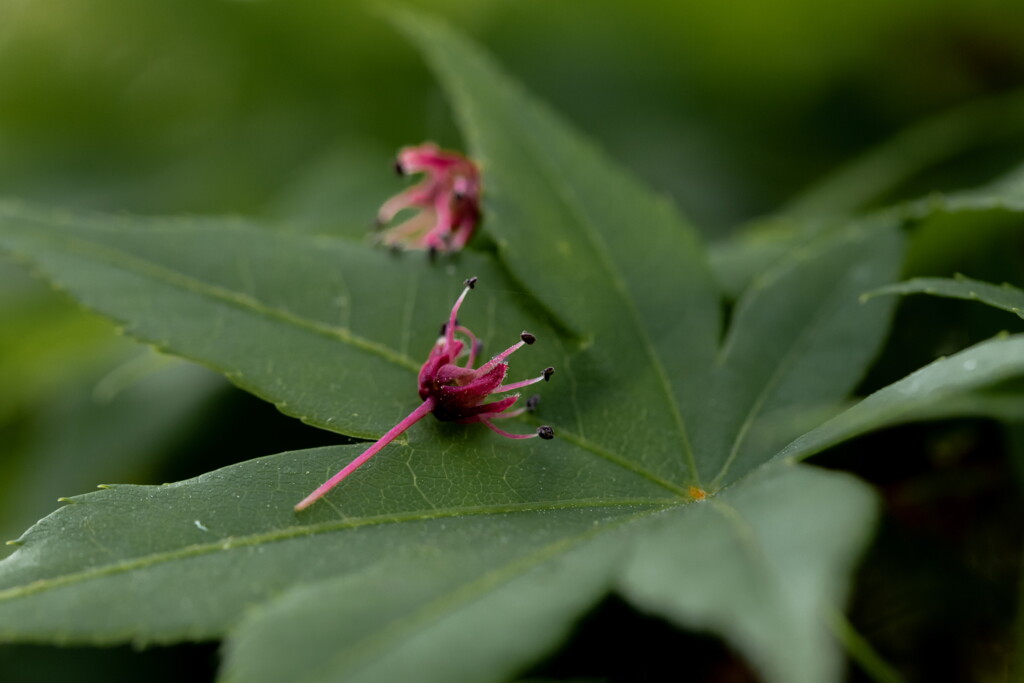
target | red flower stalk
[
  {"x": 448, "y": 199},
  {"x": 456, "y": 393}
]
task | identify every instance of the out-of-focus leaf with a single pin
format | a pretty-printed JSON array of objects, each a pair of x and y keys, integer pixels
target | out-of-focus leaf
[
  {"x": 799, "y": 339},
  {"x": 340, "y": 194},
  {"x": 749, "y": 253},
  {"x": 976, "y": 231},
  {"x": 916, "y": 395},
  {"x": 1005, "y": 296},
  {"x": 856, "y": 185},
  {"x": 118, "y": 426},
  {"x": 47, "y": 342}
]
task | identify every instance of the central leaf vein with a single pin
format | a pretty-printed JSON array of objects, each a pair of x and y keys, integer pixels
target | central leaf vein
[
  {"x": 573, "y": 205},
  {"x": 289, "y": 533}
]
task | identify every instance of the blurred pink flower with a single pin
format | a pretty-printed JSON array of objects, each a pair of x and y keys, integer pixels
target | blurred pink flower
[{"x": 448, "y": 199}]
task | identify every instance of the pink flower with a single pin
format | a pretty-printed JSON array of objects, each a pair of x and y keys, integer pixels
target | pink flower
[
  {"x": 457, "y": 393},
  {"x": 448, "y": 199}
]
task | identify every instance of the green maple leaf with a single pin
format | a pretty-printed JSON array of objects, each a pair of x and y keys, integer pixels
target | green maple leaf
[{"x": 454, "y": 554}]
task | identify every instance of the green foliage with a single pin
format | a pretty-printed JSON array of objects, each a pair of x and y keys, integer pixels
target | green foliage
[
  {"x": 690, "y": 384},
  {"x": 1006, "y": 296},
  {"x": 915, "y": 396}
]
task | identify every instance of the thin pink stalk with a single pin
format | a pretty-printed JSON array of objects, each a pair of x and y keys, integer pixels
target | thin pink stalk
[
  {"x": 450, "y": 327},
  {"x": 518, "y": 385},
  {"x": 544, "y": 377},
  {"x": 507, "y": 434},
  {"x": 508, "y": 413},
  {"x": 474, "y": 345},
  {"x": 415, "y": 416},
  {"x": 489, "y": 365}
]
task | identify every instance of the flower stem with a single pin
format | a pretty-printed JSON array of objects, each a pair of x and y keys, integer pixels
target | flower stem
[{"x": 415, "y": 416}]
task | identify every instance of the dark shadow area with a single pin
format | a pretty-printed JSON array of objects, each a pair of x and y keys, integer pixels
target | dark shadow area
[
  {"x": 241, "y": 427},
  {"x": 193, "y": 663},
  {"x": 614, "y": 643},
  {"x": 937, "y": 589}
]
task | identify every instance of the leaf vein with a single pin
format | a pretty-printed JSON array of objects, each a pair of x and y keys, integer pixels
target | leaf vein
[
  {"x": 279, "y": 535},
  {"x": 572, "y": 203},
  {"x": 139, "y": 266}
]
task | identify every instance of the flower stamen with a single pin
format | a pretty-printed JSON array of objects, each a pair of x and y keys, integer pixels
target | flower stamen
[
  {"x": 544, "y": 377},
  {"x": 543, "y": 432}
]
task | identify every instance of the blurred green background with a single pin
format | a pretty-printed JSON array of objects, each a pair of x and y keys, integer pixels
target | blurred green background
[{"x": 291, "y": 111}]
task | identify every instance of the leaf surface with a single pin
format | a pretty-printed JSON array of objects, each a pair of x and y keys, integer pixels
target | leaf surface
[
  {"x": 758, "y": 563},
  {"x": 800, "y": 340},
  {"x": 919, "y": 395},
  {"x": 1005, "y": 296},
  {"x": 761, "y": 563},
  {"x": 480, "y": 623},
  {"x": 199, "y": 552}
]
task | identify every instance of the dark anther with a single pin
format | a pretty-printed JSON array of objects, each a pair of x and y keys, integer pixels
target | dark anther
[
  {"x": 471, "y": 282},
  {"x": 444, "y": 329},
  {"x": 459, "y": 196},
  {"x": 547, "y": 373},
  {"x": 399, "y": 169},
  {"x": 432, "y": 253},
  {"x": 531, "y": 403},
  {"x": 478, "y": 346},
  {"x": 545, "y": 432},
  {"x": 527, "y": 337}
]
